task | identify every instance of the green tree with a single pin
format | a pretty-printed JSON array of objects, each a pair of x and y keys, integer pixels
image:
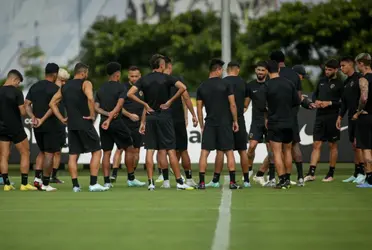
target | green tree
[{"x": 31, "y": 59}]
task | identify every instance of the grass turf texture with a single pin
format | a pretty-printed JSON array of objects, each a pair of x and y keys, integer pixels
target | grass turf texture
[{"x": 319, "y": 216}]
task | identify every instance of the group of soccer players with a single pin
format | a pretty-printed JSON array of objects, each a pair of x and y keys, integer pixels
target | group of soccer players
[{"x": 152, "y": 110}]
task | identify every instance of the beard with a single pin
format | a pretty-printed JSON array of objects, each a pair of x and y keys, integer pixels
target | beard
[
  {"x": 332, "y": 76},
  {"x": 260, "y": 77}
]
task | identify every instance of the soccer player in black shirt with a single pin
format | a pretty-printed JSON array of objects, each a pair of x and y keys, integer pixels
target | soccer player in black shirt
[
  {"x": 364, "y": 115},
  {"x": 12, "y": 130},
  {"x": 156, "y": 121},
  {"x": 48, "y": 127},
  {"x": 217, "y": 96},
  {"x": 132, "y": 112},
  {"x": 281, "y": 96},
  {"x": 293, "y": 77},
  {"x": 327, "y": 98},
  {"x": 77, "y": 95},
  {"x": 109, "y": 100},
  {"x": 349, "y": 103},
  {"x": 179, "y": 116}
]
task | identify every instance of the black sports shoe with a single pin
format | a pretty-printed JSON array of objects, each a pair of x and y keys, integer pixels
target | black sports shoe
[
  {"x": 113, "y": 179},
  {"x": 283, "y": 185},
  {"x": 201, "y": 185},
  {"x": 234, "y": 186},
  {"x": 56, "y": 180}
]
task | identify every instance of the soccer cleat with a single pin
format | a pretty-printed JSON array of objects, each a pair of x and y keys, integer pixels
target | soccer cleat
[
  {"x": 76, "y": 189},
  {"x": 191, "y": 183},
  {"x": 328, "y": 179},
  {"x": 113, "y": 179},
  {"x": 108, "y": 185},
  {"x": 56, "y": 180},
  {"x": 364, "y": 185},
  {"x": 97, "y": 188},
  {"x": 234, "y": 186},
  {"x": 184, "y": 187},
  {"x": 350, "y": 179},
  {"x": 8, "y": 188},
  {"x": 28, "y": 187},
  {"x": 293, "y": 183},
  {"x": 300, "y": 182},
  {"x": 270, "y": 183},
  {"x": 282, "y": 185},
  {"x": 201, "y": 185},
  {"x": 309, "y": 178},
  {"x": 151, "y": 187},
  {"x": 213, "y": 184},
  {"x": 160, "y": 179},
  {"x": 48, "y": 188},
  {"x": 38, "y": 183},
  {"x": 135, "y": 183},
  {"x": 251, "y": 173},
  {"x": 259, "y": 179},
  {"x": 166, "y": 184},
  {"x": 360, "y": 179},
  {"x": 247, "y": 184}
]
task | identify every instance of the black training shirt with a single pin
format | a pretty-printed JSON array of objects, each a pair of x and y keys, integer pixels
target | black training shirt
[
  {"x": 281, "y": 96},
  {"x": 214, "y": 93},
  {"x": 40, "y": 95},
  {"x": 132, "y": 106},
  {"x": 329, "y": 90},
  {"x": 108, "y": 95},
  {"x": 350, "y": 96},
  {"x": 76, "y": 103},
  {"x": 292, "y": 76},
  {"x": 240, "y": 92},
  {"x": 178, "y": 113},
  {"x": 256, "y": 92},
  {"x": 10, "y": 116},
  {"x": 156, "y": 88}
]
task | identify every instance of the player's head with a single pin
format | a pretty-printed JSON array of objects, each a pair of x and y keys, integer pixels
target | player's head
[
  {"x": 233, "y": 68},
  {"x": 168, "y": 66},
  {"x": 301, "y": 71},
  {"x": 157, "y": 62},
  {"x": 63, "y": 76},
  {"x": 113, "y": 70},
  {"x": 51, "y": 71},
  {"x": 216, "y": 67},
  {"x": 347, "y": 65},
  {"x": 331, "y": 68},
  {"x": 363, "y": 62},
  {"x": 277, "y": 56},
  {"x": 134, "y": 74},
  {"x": 81, "y": 71},
  {"x": 272, "y": 67},
  {"x": 261, "y": 70},
  {"x": 14, "y": 77}
]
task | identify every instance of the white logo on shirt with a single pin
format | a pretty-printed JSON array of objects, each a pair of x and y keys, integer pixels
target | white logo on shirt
[{"x": 254, "y": 91}]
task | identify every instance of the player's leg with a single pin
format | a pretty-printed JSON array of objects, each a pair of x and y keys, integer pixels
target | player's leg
[
  {"x": 186, "y": 164},
  {"x": 287, "y": 153},
  {"x": 319, "y": 135},
  {"x": 218, "y": 166},
  {"x": 244, "y": 164},
  {"x": 39, "y": 169},
  {"x": 209, "y": 140},
  {"x": 116, "y": 163},
  {"x": 251, "y": 153},
  {"x": 203, "y": 163},
  {"x": 297, "y": 157},
  {"x": 107, "y": 140},
  {"x": 181, "y": 149},
  {"x": 149, "y": 167},
  {"x": 72, "y": 168},
  {"x": 130, "y": 163},
  {"x": 240, "y": 145},
  {"x": 56, "y": 164},
  {"x": 333, "y": 135},
  {"x": 364, "y": 142},
  {"x": 23, "y": 148},
  {"x": 231, "y": 167},
  {"x": 4, "y": 158},
  {"x": 367, "y": 155},
  {"x": 279, "y": 163},
  {"x": 360, "y": 170}
]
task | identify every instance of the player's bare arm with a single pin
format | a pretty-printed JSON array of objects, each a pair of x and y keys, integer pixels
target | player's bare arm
[
  {"x": 113, "y": 113},
  {"x": 53, "y": 104},
  {"x": 88, "y": 91},
  {"x": 29, "y": 111},
  {"x": 247, "y": 101},
  {"x": 363, "y": 85},
  {"x": 143, "y": 122},
  {"x": 181, "y": 89},
  {"x": 187, "y": 101},
  {"x": 131, "y": 116},
  {"x": 233, "y": 112},
  {"x": 100, "y": 110},
  {"x": 22, "y": 110},
  {"x": 199, "y": 110},
  {"x": 132, "y": 95}
]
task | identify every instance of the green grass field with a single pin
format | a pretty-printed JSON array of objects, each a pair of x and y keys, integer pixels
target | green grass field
[{"x": 318, "y": 216}]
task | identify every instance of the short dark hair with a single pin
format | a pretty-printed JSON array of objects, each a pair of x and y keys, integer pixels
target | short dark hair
[
  {"x": 112, "y": 67},
  {"x": 15, "y": 73},
  {"x": 155, "y": 61},
  {"x": 133, "y": 68},
  {"x": 278, "y": 56},
  {"x": 272, "y": 66},
  {"x": 51, "y": 68},
  {"x": 215, "y": 63},
  {"x": 80, "y": 67},
  {"x": 332, "y": 63},
  {"x": 365, "y": 58},
  {"x": 347, "y": 59},
  {"x": 233, "y": 64},
  {"x": 167, "y": 60},
  {"x": 261, "y": 64}
]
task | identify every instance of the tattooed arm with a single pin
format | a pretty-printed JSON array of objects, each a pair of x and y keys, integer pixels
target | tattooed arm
[{"x": 363, "y": 85}]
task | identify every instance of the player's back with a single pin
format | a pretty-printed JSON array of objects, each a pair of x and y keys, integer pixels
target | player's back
[
  {"x": 281, "y": 97},
  {"x": 177, "y": 105},
  {"x": 109, "y": 94},
  {"x": 214, "y": 93},
  {"x": 240, "y": 92},
  {"x": 76, "y": 105},
  {"x": 10, "y": 117}
]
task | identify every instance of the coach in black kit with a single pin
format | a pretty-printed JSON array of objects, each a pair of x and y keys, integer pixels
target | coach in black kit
[
  {"x": 281, "y": 96},
  {"x": 327, "y": 98}
]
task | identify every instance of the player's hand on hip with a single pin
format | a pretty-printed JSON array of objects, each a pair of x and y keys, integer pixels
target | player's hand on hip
[
  {"x": 165, "y": 105},
  {"x": 134, "y": 117},
  {"x": 148, "y": 109},
  {"x": 235, "y": 127},
  {"x": 338, "y": 123},
  {"x": 64, "y": 120},
  {"x": 142, "y": 129},
  {"x": 91, "y": 118}
]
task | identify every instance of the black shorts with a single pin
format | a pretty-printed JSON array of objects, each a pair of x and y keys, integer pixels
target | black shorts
[
  {"x": 13, "y": 137},
  {"x": 118, "y": 133},
  {"x": 325, "y": 128},
  {"x": 159, "y": 133},
  {"x": 137, "y": 138},
  {"x": 296, "y": 132},
  {"x": 351, "y": 130},
  {"x": 83, "y": 141},
  {"x": 218, "y": 138},
  {"x": 364, "y": 132},
  {"x": 283, "y": 135},
  {"x": 50, "y": 142},
  {"x": 181, "y": 135},
  {"x": 258, "y": 132},
  {"x": 240, "y": 137}
]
